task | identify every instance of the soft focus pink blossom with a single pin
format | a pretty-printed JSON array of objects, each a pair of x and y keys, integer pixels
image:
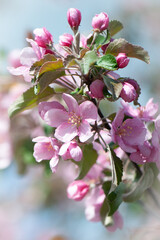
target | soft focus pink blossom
[
  {"x": 74, "y": 122},
  {"x": 66, "y": 40},
  {"x": 96, "y": 89},
  {"x": 100, "y": 22},
  {"x": 14, "y": 58},
  {"x": 43, "y": 37},
  {"x": 122, "y": 60},
  {"x": 117, "y": 222},
  {"x": 93, "y": 204},
  {"x": 77, "y": 190},
  {"x": 146, "y": 113},
  {"x": 74, "y": 17},
  {"x": 71, "y": 150},
  {"x": 129, "y": 133},
  {"x": 46, "y": 148}
]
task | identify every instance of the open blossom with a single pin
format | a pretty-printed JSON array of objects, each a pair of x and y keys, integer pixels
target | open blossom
[
  {"x": 77, "y": 190},
  {"x": 129, "y": 133},
  {"x": 146, "y": 113},
  {"x": 74, "y": 17},
  {"x": 100, "y": 22},
  {"x": 28, "y": 56},
  {"x": 46, "y": 148},
  {"x": 71, "y": 150},
  {"x": 74, "y": 122},
  {"x": 43, "y": 37},
  {"x": 66, "y": 40}
]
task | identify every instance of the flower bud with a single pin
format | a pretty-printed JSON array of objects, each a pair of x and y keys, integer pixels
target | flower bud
[
  {"x": 77, "y": 190},
  {"x": 43, "y": 37},
  {"x": 122, "y": 60},
  {"x": 129, "y": 91},
  {"x": 66, "y": 40},
  {"x": 96, "y": 89},
  {"x": 100, "y": 22},
  {"x": 74, "y": 17}
]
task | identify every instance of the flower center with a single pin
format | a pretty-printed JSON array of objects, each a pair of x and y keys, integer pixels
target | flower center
[
  {"x": 74, "y": 119},
  {"x": 124, "y": 130},
  {"x": 49, "y": 147}
]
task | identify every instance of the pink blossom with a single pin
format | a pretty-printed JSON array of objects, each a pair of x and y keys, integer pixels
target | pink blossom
[
  {"x": 46, "y": 148},
  {"x": 128, "y": 93},
  {"x": 74, "y": 122},
  {"x": 100, "y": 22},
  {"x": 66, "y": 40},
  {"x": 77, "y": 190},
  {"x": 143, "y": 153},
  {"x": 146, "y": 113},
  {"x": 117, "y": 222},
  {"x": 14, "y": 58},
  {"x": 74, "y": 17},
  {"x": 93, "y": 204},
  {"x": 28, "y": 56},
  {"x": 129, "y": 133},
  {"x": 122, "y": 60},
  {"x": 96, "y": 89},
  {"x": 71, "y": 150},
  {"x": 43, "y": 37}
]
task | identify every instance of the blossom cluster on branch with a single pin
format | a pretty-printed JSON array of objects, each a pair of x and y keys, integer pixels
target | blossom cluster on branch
[{"x": 116, "y": 157}]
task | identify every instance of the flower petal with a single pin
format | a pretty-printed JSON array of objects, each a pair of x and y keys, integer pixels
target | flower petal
[
  {"x": 53, "y": 163},
  {"x": 43, "y": 107},
  {"x": 71, "y": 103},
  {"x": 84, "y": 131},
  {"x": 55, "y": 117},
  {"x": 66, "y": 132},
  {"x": 88, "y": 111}
]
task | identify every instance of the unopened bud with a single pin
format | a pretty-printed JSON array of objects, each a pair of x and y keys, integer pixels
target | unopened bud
[
  {"x": 74, "y": 18},
  {"x": 100, "y": 22}
]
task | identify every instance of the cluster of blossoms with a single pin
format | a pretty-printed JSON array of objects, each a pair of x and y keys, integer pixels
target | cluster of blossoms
[{"x": 114, "y": 153}]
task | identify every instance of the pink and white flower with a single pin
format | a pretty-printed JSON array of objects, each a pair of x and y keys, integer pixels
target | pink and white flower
[
  {"x": 43, "y": 37},
  {"x": 72, "y": 122},
  {"x": 77, "y": 190},
  {"x": 47, "y": 148},
  {"x": 65, "y": 40},
  {"x": 71, "y": 150}
]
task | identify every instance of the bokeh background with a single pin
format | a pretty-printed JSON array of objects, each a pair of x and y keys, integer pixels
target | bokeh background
[{"x": 33, "y": 204}]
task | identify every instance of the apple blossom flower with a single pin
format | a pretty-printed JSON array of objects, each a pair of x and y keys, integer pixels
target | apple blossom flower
[
  {"x": 77, "y": 190},
  {"x": 100, "y": 22},
  {"x": 66, "y": 40},
  {"x": 74, "y": 122},
  {"x": 71, "y": 150},
  {"x": 129, "y": 133},
  {"x": 122, "y": 60},
  {"x": 145, "y": 113},
  {"x": 46, "y": 148},
  {"x": 74, "y": 18},
  {"x": 43, "y": 37},
  {"x": 28, "y": 56},
  {"x": 117, "y": 222},
  {"x": 96, "y": 89},
  {"x": 128, "y": 92}
]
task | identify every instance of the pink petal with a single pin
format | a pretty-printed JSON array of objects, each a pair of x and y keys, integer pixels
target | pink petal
[
  {"x": 43, "y": 107},
  {"x": 88, "y": 111},
  {"x": 66, "y": 132},
  {"x": 53, "y": 163},
  {"x": 85, "y": 131},
  {"x": 71, "y": 103},
  {"x": 55, "y": 117},
  {"x": 76, "y": 153},
  {"x": 41, "y": 139},
  {"x": 28, "y": 56},
  {"x": 64, "y": 148}
]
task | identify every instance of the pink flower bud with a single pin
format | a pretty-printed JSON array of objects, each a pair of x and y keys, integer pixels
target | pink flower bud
[
  {"x": 43, "y": 37},
  {"x": 100, "y": 22},
  {"x": 96, "y": 89},
  {"x": 130, "y": 90},
  {"x": 122, "y": 60},
  {"x": 74, "y": 17},
  {"x": 77, "y": 190},
  {"x": 66, "y": 40}
]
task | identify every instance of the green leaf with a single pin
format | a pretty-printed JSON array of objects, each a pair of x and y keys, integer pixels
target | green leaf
[
  {"x": 122, "y": 46},
  {"x": 48, "y": 78},
  {"x": 51, "y": 66},
  {"x": 89, "y": 58},
  {"x": 29, "y": 100},
  {"x": 115, "y": 198},
  {"x": 102, "y": 40},
  {"x": 108, "y": 62},
  {"x": 145, "y": 182},
  {"x": 114, "y": 86},
  {"x": 89, "y": 159},
  {"x": 117, "y": 168},
  {"x": 114, "y": 27}
]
